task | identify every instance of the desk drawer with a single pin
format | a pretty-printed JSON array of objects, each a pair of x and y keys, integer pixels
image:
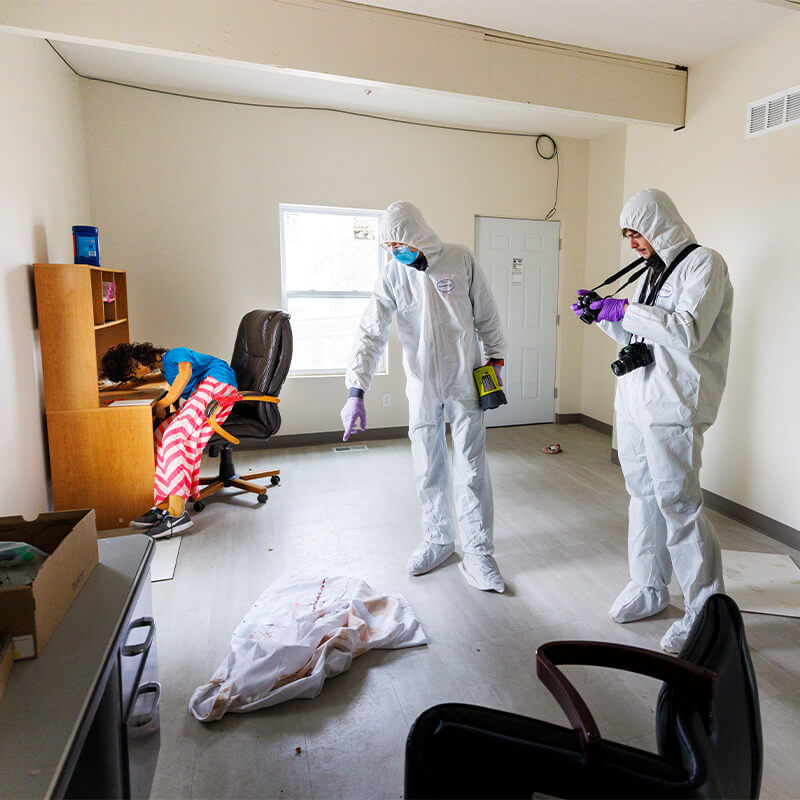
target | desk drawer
[{"x": 141, "y": 694}]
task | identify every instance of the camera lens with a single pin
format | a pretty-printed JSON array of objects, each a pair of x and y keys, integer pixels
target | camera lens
[
  {"x": 588, "y": 315},
  {"x": 631, "y": 357}
]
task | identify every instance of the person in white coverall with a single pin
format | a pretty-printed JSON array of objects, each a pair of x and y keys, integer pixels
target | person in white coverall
[
  {"x": 664, "y": 409},
  {"x": 443, "y": 306}
]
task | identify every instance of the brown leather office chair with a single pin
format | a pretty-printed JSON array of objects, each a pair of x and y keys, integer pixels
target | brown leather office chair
[
  {"x": 261, "y": 359},
  {"x": 708, "y": 728}
]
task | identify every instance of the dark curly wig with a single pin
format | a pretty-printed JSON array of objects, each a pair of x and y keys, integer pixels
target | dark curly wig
[{"x": 119, "y": 362}]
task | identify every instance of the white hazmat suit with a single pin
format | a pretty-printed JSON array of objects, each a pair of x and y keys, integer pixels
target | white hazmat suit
[
  {"x": 662, "y": 413},
  {"x": 442, "y": 312}
]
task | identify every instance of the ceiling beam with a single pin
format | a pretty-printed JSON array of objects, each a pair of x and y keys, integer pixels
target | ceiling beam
[{"x": 338, "y": 38}]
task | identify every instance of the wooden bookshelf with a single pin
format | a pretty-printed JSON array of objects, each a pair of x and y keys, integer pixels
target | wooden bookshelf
[{"x": 100, "y": 457}]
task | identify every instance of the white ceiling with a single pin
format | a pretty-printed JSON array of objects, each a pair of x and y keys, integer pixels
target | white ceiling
[{"x": 676, "y": 31}]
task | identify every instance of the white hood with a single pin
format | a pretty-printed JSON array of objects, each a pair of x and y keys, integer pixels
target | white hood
[
  {"x": 652, "y": 213},
  {"x": 403, "y": 222}
]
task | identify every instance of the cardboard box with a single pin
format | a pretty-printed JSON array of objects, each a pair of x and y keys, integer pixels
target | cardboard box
[{"x": 30, "y": 614}]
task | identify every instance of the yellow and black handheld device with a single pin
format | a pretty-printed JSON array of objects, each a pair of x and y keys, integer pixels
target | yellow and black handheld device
[{"x": 490, "y": 393}]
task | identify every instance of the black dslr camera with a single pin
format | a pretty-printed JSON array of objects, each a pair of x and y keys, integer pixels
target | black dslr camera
[
  {"x": 588, "y": 315},
  {"x": 631, "y": 357}
]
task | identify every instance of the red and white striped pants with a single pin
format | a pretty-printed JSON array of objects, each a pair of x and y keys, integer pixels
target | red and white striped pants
[{"x": 180, "y": 440}]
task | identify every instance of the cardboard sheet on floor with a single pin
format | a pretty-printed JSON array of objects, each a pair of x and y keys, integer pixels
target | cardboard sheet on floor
[
  {"x": 763, "y": 583},
  {"x": 301, "y": 631},
  {"x": 165, "y": 558}
]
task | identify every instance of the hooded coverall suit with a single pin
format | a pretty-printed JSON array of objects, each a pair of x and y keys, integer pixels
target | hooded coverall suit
[
  {"x": 441, "y": 314},
  {"x": 662, "y": 413}
]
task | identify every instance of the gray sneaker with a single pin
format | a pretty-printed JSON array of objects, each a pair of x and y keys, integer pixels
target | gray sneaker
[
  {"x": 167, "y": 525},
  {"x": 148, "y": 519}
]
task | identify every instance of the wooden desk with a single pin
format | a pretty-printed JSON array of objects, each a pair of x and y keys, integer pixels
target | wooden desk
[
  {"x": 100, "y": 457},
  {"x": 103, "y": 458}
]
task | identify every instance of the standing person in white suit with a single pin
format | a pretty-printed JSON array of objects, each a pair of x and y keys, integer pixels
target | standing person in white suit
[
  {"x": 664, "y": 408},
  {"x": 444, "y": 307}
]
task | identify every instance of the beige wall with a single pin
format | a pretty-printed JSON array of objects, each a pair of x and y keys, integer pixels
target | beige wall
[
  {"x": 606, "y": 173},
  {"x": 43, "y": 193},
  {"x": 742, "y": 197},
  {"x": 186, "y": 195}
]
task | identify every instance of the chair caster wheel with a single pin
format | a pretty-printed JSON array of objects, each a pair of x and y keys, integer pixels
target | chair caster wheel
[
  {"x": 262, "y": 498},
  {"x": 199, "y": 505},
  {"x": 275, "y": 480}
]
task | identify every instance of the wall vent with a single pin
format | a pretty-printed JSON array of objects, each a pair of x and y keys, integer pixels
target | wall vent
[{"x": 773, "y": 112}]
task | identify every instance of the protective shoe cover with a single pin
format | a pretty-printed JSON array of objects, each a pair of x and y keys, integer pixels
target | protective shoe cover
[
  {"x": 481, "y": 572},
  {"x": 300, "y": 631},
  {"x": 428, "y": 556},
  {"x": 445, "y": 316},
  {"x": 675, "y": 637},
  {"x": 638, "y": 602}
]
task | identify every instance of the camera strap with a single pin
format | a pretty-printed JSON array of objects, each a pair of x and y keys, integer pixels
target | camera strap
[
  {"x": 622, "y": 272},
  {"x": 649, "y": 298}
]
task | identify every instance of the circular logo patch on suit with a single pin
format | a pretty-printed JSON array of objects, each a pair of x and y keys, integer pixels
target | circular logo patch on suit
[
  {"x": 446, "y": 285},
  {"x": 666, "y": 290}
]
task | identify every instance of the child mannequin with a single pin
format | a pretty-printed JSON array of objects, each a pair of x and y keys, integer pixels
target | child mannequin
[{"x": 196, "y": 379}]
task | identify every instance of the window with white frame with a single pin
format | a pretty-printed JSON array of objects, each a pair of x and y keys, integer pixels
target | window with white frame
[{"x": 330, "y": 259}]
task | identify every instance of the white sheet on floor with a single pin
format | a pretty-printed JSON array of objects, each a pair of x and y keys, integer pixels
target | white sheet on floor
[
  {"x": 300, "y": 631},
  {"x": 763, "y": 583}
]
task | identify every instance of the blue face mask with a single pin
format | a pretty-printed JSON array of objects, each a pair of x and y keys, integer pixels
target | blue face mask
[{"x": 404, "y": 255}]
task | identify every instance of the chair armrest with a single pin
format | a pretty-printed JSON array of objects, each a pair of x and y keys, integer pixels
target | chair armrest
[
  {"x": 215, "y": 405},
  {"x": 696, "y": 679}
]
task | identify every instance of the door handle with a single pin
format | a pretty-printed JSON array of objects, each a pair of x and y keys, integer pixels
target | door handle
[{"x": 142, "y": 647}]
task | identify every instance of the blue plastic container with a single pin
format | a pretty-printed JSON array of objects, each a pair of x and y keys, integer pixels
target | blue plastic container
[{"x": 86, "y": 245}]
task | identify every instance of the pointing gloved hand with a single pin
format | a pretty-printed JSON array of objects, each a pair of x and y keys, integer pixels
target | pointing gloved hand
[
  {"x": 354, "y": 417},
  {"x": 577, "y": 307},
  {"x": 611, "y": 309}
]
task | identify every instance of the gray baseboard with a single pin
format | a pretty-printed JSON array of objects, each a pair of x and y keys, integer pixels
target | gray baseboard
[
  {"x": 760, "y": 522},
  {"x": 774, "y": 529},
  {"x": 583, "y": 419},
  {"x": 334, "y": 437}
]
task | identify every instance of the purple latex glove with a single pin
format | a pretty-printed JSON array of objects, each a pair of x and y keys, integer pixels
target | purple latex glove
[
  {"x": 497, "y": 368},
  {"x": 575, "y": 306},
  {"x": 354, "y": 417},
  {"x": 611, "y": 309}
]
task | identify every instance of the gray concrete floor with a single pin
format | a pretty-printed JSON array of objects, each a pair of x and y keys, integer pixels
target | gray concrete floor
[{"x": 560, "y": 523}]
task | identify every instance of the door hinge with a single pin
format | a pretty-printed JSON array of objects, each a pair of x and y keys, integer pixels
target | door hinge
[
  {"x": 558, "y": 319},
  {"x": 560, "y": 243},
  {"x": 555, "y": 392}
]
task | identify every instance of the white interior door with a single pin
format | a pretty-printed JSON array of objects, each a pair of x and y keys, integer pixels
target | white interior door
[{"x": 520, "y": 260}]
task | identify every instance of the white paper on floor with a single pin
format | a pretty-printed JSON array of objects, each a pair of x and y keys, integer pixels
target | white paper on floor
[
  {"x": 300, "y": 631},
  {"x": 162, "y": 568},
  {"x": 764, "y": 583}
]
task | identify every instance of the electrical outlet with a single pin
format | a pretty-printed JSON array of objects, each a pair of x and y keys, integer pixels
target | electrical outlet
[{"x": 387, "y": 399}]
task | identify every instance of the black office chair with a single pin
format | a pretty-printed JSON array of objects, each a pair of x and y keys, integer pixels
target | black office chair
[
  {"x": 261, "y": 359},
  {"x": 708, "y": 727}
]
